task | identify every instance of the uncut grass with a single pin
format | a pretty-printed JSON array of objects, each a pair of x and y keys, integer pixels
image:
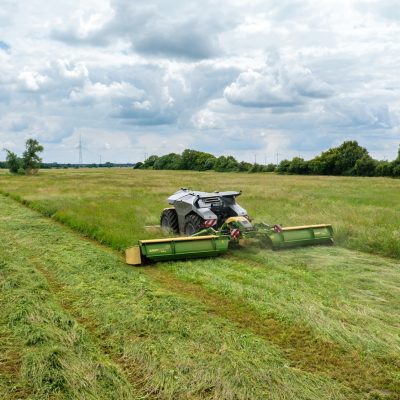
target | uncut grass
[
  {"x": 113, "y": 206},
  {"x": 169, "y": 346}
]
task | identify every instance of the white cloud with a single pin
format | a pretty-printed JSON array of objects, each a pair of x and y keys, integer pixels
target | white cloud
[
  {"x": 304, "y": 74},
  {"x": 282, "y": 86},
  {"x": 31, "y": 80}
]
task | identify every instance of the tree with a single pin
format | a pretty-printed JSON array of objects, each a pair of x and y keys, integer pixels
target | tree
[
  {"x": 396, "y": 166},
  {"x": 283, "y": 167},
  {"x": 338, "y": 160},
  {"x": 30, "y": 158},
  {"x": 149, "y": 162},
  {"x": 226, "y": 164},
  {"x": 197, "y": 160},
  {"x": 244, "y": 166},
  {"x": 169, "y": 161},
  {"x": 13, "y": 162},
  {"x": 365, "y": 166},
  {"x": 383, "y": 168},
  {"x": 298, "y": 166}
]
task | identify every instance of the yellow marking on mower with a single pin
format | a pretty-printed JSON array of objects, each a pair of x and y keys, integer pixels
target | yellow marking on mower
[
  {"x": 178, "y": 239},
  {"x": 294, "y": 228},
  {"x": 133, "y": 255},
  {"x": 235, "y": 219}
]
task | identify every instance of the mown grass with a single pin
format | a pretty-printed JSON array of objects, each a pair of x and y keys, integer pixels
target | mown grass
[
  {"x": 113, "y": 206},
  {"x": 46, "y": 353},
  {"x": 107, "y": 331},
  {"x": 345, "y": 297}
]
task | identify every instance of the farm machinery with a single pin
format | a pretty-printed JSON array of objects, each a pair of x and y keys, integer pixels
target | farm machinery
[{"x": 210, "y": 223}]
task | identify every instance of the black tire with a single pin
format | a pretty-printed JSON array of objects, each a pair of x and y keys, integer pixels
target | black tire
[
  {"x": 169, "y": 221},
  {"x": 193, "y": 223}
]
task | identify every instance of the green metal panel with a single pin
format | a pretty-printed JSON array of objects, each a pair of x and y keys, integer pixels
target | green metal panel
[
  {"x": 181, "y": 248},
  {"x": 301, "y": 237}
]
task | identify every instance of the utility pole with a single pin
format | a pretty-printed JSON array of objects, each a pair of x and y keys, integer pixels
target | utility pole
[
  {"x": 277, "y": 158},
  {"x": 80, "y": 151},
  {"x": 255, "y": 158}
]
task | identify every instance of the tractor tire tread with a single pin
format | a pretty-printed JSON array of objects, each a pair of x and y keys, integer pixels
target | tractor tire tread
[
  {"x": 196, "y": 221},
  {"x": 172, "y": 219}
]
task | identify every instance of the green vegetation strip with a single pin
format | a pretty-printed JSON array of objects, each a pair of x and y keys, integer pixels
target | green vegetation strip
[
  {"x": 299, "y": 344},
  {"x": 169, "y": 347}
]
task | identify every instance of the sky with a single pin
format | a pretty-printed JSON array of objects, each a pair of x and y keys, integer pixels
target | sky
[{"x": 260, "y": 80}]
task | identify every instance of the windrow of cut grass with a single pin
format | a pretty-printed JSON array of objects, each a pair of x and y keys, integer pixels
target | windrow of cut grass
[
  {"x": 46, "y": 354},
  {"x": 168, "y": 346},
  {"x": 114, "y": 205},
  {"x": 347, "y": 297}
]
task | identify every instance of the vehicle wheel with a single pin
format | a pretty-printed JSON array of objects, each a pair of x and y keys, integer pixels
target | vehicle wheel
[
  {"x": 193, "y": 223},
  {"x": 169, "y": 221}
]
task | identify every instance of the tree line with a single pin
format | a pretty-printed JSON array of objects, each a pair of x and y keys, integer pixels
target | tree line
[{"x": 348, "y": 159}]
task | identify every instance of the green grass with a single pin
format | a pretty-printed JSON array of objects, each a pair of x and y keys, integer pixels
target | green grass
[
  {"x": 113, "y": 206},
  {"x": 87, "y": 326},
  {"x": 317, "y": 322}
]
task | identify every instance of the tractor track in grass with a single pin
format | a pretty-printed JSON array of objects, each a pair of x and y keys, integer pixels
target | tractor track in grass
[
  {"x": 298, "y": 344},
  {"x": 132, "y": 371},
  {"x": 306, "y": 351},
  {"x": 10, "y": 365}
]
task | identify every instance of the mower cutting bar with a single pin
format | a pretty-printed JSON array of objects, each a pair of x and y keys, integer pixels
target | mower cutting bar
[
  {"x": 177, "y": 248},
  {"x": 302, "y": 236}
]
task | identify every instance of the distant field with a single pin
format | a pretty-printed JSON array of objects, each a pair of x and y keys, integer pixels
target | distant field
[
  {"x": 114, "y": 205},
  {"x": 310, "y": 323}
]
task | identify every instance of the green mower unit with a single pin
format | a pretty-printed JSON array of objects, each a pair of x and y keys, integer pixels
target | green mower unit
[{"x": 213, "y": 221}]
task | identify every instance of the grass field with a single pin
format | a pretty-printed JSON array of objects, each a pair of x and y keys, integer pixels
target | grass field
[
  {"x": 114, "y": 205},
  {"x": 311, "y": 323}
]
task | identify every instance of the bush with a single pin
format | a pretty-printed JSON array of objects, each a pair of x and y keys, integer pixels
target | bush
[
  {"x": 169, "y": 161},
  {"x": 197, "y": 160},
  {"x": 283, "y": 167},
  {"x": 365, "y": 166},
  {"x": 396, "y": 170},
  {"x": 383, "y": 168},
  {"x": 226, "y": 164},
  {"x": 298, "y": 166},
  {"x": 149, "y": 162}
]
